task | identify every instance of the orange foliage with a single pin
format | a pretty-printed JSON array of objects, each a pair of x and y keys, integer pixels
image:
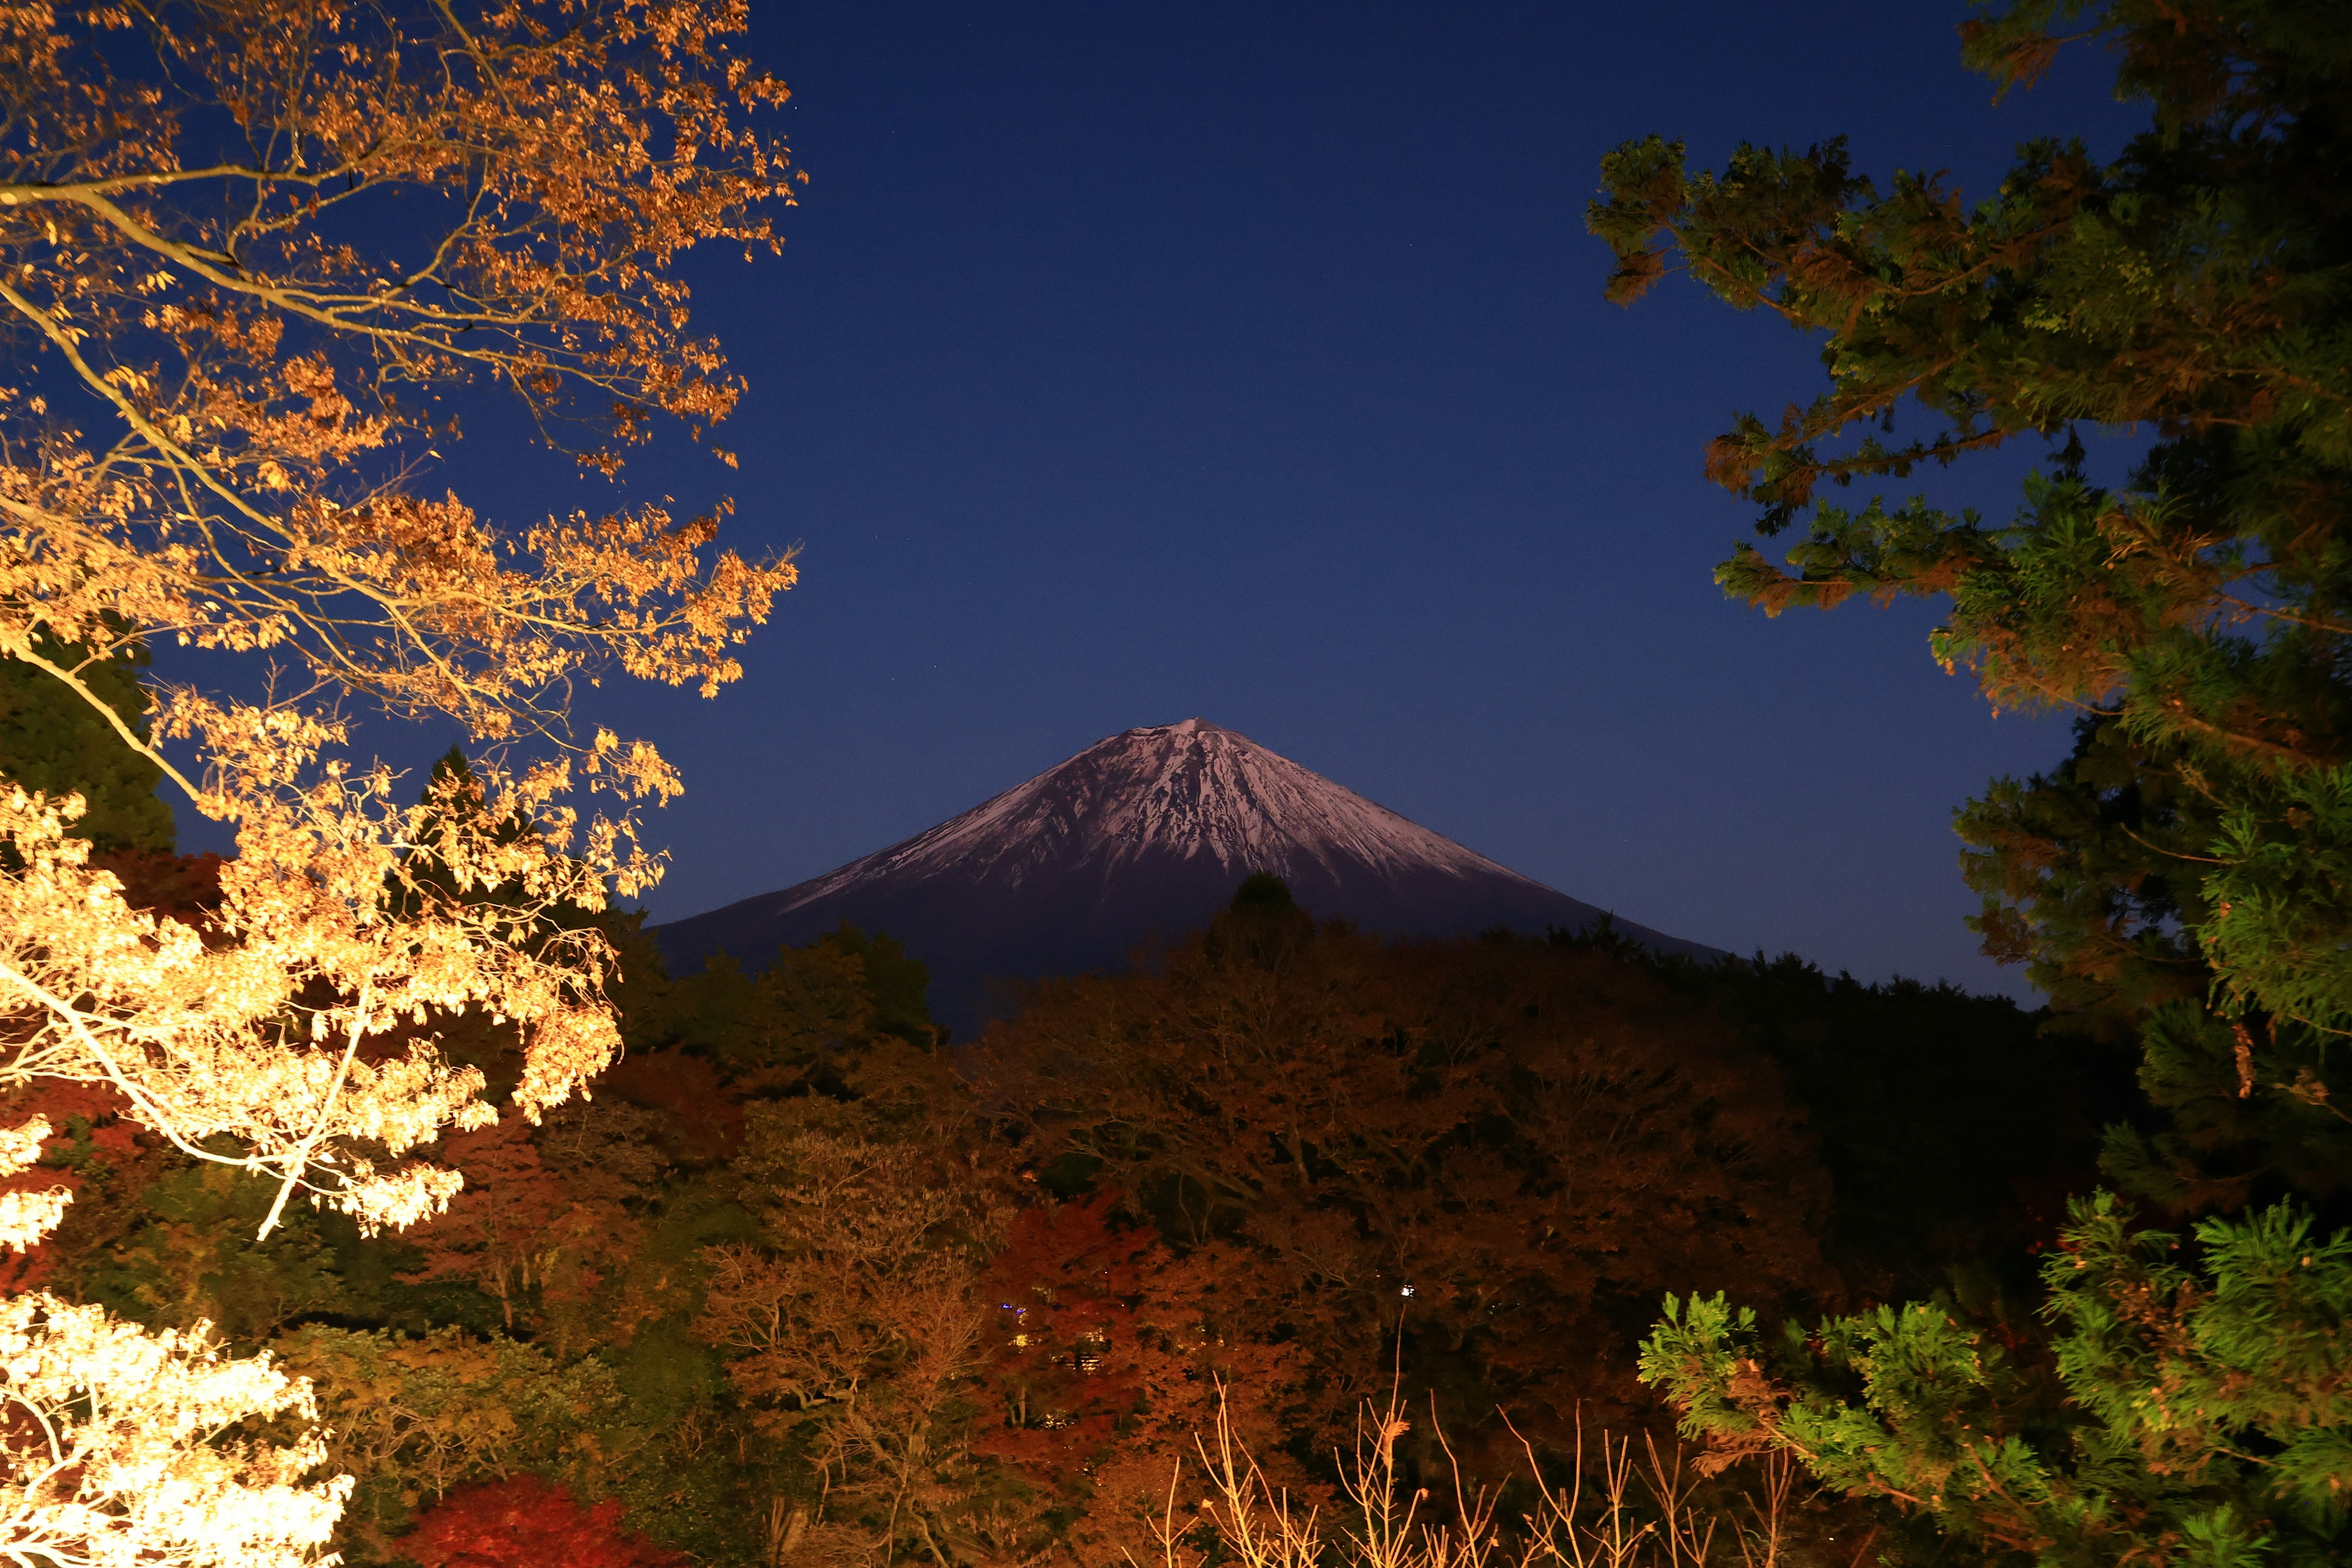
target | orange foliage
[
  {"x": 261, "y": 247},
  {"x": 705, "y": 1122},
  {"x": 1066, "y": 1353},
  {"x": 519, "y": 1226},
  {"x": 494, "y": 1230},
  {"x": 195, "y": 225},
  {"x": 1499, "y": 1149}
]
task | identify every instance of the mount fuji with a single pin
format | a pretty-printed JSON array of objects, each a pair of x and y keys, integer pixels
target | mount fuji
[{"x": 1146, "y": 833}]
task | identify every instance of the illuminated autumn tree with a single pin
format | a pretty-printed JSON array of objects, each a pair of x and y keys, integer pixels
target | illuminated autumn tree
[
  {"x": 250, "y": 252},
  {"x": 1112, "y": 1358},
  {"x": 495, "y": 1232},
  {"x": 126, "y": 1447}
]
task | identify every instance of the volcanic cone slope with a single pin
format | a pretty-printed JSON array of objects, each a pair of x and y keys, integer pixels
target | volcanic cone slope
[{"x": 1145, "y": 834}]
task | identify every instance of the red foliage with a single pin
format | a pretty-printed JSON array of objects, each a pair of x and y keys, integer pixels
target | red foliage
[
  {"x": 1111, "y": 1353},
  {"x": 495, "y": 1229},
  {"x": 526, "y": 1522},
  {"x": 1065, "y": 1290},
  {"x": 91, "y": 1141},
  {"x": 704, "y": 1124}
]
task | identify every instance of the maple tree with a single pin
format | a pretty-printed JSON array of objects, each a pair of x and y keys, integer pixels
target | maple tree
[
  {"x": 251, "y": 370},
  {"x": 126, "y": 1447},
  {"x": 107, "y": 1140},
  {"x": 1110, "y": 1355},
  {"x": 1064, "y": 1331},
  {"x": 495, "y": 1231},
  {"x": 854, "y": 1325},
  {"x": 1496, "y": 1148},
  {"x": 248, "y": 253},
  {"x": 524, "y": 1522}
]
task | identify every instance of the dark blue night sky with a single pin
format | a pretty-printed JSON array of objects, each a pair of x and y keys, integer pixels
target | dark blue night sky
[{"x": 1127, "y": 362}]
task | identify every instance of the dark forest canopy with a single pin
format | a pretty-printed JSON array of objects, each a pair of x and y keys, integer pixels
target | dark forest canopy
[{"x": 1037, "y": 1255}]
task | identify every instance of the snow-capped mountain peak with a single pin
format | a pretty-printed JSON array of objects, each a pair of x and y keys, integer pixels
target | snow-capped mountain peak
[
  {"x": 1144, "y": 832},
  {"x": 1190, "y": 791}
]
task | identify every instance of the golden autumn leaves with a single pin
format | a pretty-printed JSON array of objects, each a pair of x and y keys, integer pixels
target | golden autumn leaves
[{"x": 231, "y": 359}]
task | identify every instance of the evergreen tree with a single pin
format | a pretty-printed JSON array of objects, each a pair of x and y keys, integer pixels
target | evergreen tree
[
  {"x": 51, "y": 740},
  {"x": 2185, "y": 877},
  {"x": 2198, "y": 616}
]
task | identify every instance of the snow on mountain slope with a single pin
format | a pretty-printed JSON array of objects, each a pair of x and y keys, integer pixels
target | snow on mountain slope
[
  {"x": 1144, "y": 834},
  {"x": 1189, "y": 790}
]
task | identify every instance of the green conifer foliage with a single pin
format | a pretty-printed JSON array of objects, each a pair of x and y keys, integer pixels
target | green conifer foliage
[
  {"x": 51, "y": 742},
  {"x": 2198, "y": 289},
  {"x": 2185, "y": 877},
  {"x": 2181, "y": 1413}
]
